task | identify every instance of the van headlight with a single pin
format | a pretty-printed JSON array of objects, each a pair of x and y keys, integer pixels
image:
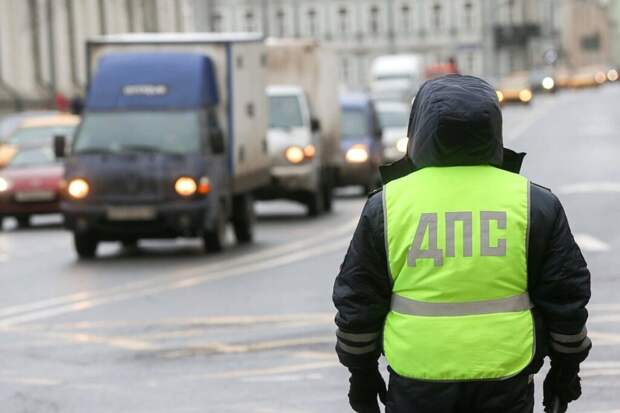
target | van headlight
[
  {"x": 294, "y": 154},
  {"x": 78, "y": 188},
  {"x": 357, "y": 154},
  {"x": 548, "y": 83},
  {"x": 5, "y": 185},
  {"x": 185, "y": 186},
  {"x": 401, "y": 145},
  {"x": 525, "y": 95}
]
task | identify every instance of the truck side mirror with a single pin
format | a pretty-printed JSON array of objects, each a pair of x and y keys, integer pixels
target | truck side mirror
[
  {"x": 216, "y": 140},
  {"x": 60, "y": 143},
  {"x": 315, "y": 125}
]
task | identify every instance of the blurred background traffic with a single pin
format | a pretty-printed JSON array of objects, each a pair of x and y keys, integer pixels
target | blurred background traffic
[{"x": 255, "y": 129}]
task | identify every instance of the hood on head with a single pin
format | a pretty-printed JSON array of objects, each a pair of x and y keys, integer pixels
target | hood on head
[{"x": 455, "y": 120}]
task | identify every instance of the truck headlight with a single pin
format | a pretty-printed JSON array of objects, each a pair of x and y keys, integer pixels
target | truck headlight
[
  {"x": 5, "y": 185},
  {"x": 78, "y": 188},
  {"x": 548, "y": 83},
  {"x": 401, "y": 145},
  {"x": 294, "y": 154},
  {"x": 612, "y": 75},
  {"x": 525, "y": 95},
  {"x": 357, "y": 154},
  {"x": 185, "y": 186}
]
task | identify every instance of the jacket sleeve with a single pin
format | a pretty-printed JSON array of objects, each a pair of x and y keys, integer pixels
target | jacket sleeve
[
  {"x": 562, "y": 291},
  {"x": 362, "y": 291}
]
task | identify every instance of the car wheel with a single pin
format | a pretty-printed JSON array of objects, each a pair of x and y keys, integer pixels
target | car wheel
[
  {"x": 244, "y": 218},
  {"x": 315, "y": 203},
  {"x": 23, "y": 221},
  {"x": 214, "y": 239},
  {"x": 85, "y": 245}
]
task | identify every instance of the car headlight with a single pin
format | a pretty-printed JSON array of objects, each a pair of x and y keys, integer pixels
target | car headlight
[
  {"x": 5, "y": 185},
  {"x": 401, "y": 145},
  {"x": 500, "y": 96},
  {"x": 548, "y": 83},
  {"x": 78, "y": 188},
  {"x": 185, "y": 186},
  {"x": 357, "y": 154},
  {"x": 294, "y": 154},
  {"x": 600, "y": 77},
  {"x": 525, "y": 95},
  {"x": 612, "y": 75}
]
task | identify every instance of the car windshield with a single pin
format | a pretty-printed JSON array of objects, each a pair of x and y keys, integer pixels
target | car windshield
[
  {"x": 167, "y": 132},
  {"x": 393, "y": 118},
  {"x": 40, "y": 134},
  {"x": 33, "y": 157},
  {"x": 284, "y": 112},
  {"x": 354, "y": 123}
]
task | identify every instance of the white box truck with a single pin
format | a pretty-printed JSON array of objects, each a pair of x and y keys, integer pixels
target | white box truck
[
  {"x": 172, "y": 141},
  {"x": 304, "y": 123}
]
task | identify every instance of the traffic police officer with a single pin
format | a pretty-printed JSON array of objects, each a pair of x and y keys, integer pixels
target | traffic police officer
[{"x": 461, "y": 271}]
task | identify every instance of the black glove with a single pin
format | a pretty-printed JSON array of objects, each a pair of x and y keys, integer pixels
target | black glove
[
  {"x": 562, "y": 386},
  {"x": 365, "y": 386}
]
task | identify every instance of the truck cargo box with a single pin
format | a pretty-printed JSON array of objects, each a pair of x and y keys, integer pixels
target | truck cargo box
[
  {"x": 239, "y": 63},
  {"x": 307, "y": 63}
]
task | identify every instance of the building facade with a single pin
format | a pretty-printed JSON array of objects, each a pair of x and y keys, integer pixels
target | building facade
[{"x": 42, "y": 41}]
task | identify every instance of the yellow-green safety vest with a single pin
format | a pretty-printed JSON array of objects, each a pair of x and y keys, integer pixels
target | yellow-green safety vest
[{"x": 456, "y": 240}]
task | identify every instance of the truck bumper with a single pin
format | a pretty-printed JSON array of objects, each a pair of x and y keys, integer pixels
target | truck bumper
[
  {"x": 290, "y": 182},
  {"x": 166, "y": 220}
]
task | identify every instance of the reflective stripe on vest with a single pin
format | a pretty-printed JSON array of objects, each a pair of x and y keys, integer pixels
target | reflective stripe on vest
[{"x": 456, "y": 239}]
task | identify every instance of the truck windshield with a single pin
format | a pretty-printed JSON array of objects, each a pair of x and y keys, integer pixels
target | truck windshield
[
  {"x": 354, "y": 123},
  {"x": 166, "y": 132},
  {"x": 393, "y": 118},
  {"x": 284, "y": 112}
]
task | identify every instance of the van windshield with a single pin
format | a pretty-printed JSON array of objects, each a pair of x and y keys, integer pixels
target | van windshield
[
  {"x": 354, "y": 124},
  {"x": 284, "y": 112},
  {"x": 152, "y": 131}
]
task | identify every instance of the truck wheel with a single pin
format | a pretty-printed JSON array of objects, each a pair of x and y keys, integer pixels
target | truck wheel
[
  {"x": 1, "y": 222},
  {"x": 23, "y": 221},
  {"x": 215, "y": 238},
  {"x": 243, "y": 218},
  {"x": 315, "y": 203},
  {"x": 328, "y": 196},
  {"x": 85, "y": 245}
]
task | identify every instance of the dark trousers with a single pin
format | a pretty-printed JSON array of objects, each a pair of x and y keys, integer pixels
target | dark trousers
[{"x": 515, "y": 395}]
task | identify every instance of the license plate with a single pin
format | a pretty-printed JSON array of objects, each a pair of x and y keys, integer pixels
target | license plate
[
  {"x": 142, "y": 213},
  {"x": 35, "y": 196}
]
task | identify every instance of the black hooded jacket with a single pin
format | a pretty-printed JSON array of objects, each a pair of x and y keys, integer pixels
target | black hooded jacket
[{"x": 456, "y": 120}]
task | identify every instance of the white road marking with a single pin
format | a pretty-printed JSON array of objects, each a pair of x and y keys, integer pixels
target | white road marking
[
  {"x": 153, "y": 282},
  {"x": 191, "y": 277},
  {"x": 601, "y": 187},
  {"x": 589, "y": 243}
]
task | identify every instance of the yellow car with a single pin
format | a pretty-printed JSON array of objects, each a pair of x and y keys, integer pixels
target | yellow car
[
  {"x": 36, "y": 130},
  {"x": 515, "y": 88}
]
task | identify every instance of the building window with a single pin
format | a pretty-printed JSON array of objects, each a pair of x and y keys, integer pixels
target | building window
[
  {"x": 511, "y": 12},
  {"x": 346, "y": 69},
  {"x": 312, "y": 22},
  {"x": 280, "y": 22},
  {"x": 342, "y": 18},
  {"x": 468, "y": 15},
  {"x": 404, "y": 12},
  {"x": 374, "y": 20},
  {"x": 216, "y": 22},
  {"x": 470, "y": 63},
  {"x": 437, "y": 16},
  {"x": 249, "y": 21}
]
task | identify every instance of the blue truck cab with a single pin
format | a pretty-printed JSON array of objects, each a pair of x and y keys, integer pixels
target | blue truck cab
[
  {"x": 157, "y": 153},
  {"x": 360, "y": 142}
]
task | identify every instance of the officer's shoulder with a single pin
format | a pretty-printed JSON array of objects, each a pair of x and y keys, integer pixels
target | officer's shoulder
[
  {"x": 375, "y": 192},
  {"x": 374, "y": 203},
  {"x": 541, "y": 196}
]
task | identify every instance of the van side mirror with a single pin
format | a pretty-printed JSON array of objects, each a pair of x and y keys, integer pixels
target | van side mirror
[
  {"x": 60, "y": 143},
  {"x": 315, "y": 125},
  {"x": 216, "y": 140}
]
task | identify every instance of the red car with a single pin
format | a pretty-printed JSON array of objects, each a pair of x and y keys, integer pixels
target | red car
[{"x": 30, "y": 184}]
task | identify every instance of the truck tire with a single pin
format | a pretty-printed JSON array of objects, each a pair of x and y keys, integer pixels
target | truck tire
[
  {"x": 1, "y": 222},
  {"x": 85, "y": 245},
  {"x": 214, "y": 239},
  {"x": 328, "y": 195},
  {"x": 244, "y": 218},
  {"x": 315, "y": 203},
  {"x": 23, "y": 221}
]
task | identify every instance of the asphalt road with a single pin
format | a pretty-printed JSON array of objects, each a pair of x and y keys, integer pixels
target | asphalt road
[{"x": 165, "y": 328}]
